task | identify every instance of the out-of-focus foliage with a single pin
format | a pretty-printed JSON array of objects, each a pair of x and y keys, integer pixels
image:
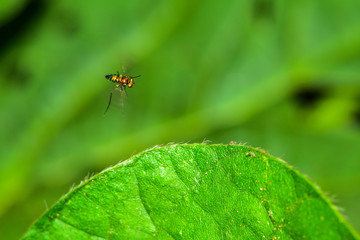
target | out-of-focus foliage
[{"x": 281, "y": 75}]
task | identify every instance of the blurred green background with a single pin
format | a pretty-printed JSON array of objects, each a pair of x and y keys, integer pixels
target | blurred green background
[{"x": 280, "y": 75}]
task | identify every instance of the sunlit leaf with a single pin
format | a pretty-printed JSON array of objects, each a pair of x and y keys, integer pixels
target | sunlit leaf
[{"x": 195, "y": 191}]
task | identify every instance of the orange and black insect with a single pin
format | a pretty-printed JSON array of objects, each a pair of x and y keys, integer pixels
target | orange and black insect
[{"x": 122, "y": 81}]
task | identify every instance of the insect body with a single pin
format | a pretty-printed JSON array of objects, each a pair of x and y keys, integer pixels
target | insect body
[{"x": 122, "y": 81}]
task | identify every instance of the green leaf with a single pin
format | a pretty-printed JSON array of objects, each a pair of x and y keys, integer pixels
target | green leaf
[{"x": 195, "y": 191}]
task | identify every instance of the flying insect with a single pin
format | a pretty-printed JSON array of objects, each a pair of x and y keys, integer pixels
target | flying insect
[{"x": 122, "y": 81}]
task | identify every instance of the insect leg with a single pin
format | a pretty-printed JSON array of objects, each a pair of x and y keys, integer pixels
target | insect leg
[
  {"x": 125, "y": 91},
  {"x": 110, "y": 100},
  {"x": 122, "y": 90}
]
